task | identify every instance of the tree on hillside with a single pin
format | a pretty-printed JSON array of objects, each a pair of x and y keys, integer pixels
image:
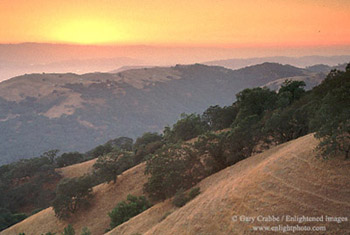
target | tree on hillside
[
  {"x": 50, "y": 155},
  {"x": 147, "y": 144},
  {"x": 72, "y": 194},
  {"x": 214, "y": 147},
  {"x": 256, "y": 101},
  {"x": 289, "y": 123},
  {"x": 109, "y": 166},
  {"x": 289, "y": 92},
  {"x": 219, "y": 118},
  {"x": 145, "y": 139},
  {"x": 243, "y": 138},
  {"x": 171, "y": 168},
  {"x": 101, "y": 150},
  {"x": 188, "y": 127},
  {"x": 67, "y": 159},
  {"x": 121, "y": 143},
  {"x": 332, "y": 119}
]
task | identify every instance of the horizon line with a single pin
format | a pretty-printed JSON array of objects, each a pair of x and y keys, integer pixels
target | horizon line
[{"x": 184, "y": 45}]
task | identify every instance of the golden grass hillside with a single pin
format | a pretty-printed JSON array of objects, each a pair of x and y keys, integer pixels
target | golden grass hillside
[
  {"x": 106, "y": 197},
  {"x": 285, "y": 180}
]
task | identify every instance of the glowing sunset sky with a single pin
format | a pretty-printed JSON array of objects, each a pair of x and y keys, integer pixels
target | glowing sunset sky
[{"x": 179, "y": 22}]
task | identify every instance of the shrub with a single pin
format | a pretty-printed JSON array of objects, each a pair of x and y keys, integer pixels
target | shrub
[
  {"x": 181, "y": 198},
  {"x": 164, "y": 216},
  {"x": 85, "y": 231},
  {"x": 7, "y": 218},
  {"x": 36, "y": 211},
  {"x": 69, "y": 230},
  {"x": 194, "y": 193},
  {"x": 128, "y": 209}
]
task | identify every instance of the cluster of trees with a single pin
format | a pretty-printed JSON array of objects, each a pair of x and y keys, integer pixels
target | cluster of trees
[
  {"x": 113, "y": 158},
  {"x": 29, "y": 184},
  {"x": 258, "y": 119},
  {"x": 332, "y": 116},
  {"x": 33, "y": 184},
  {"x": 178, "y": 165}
]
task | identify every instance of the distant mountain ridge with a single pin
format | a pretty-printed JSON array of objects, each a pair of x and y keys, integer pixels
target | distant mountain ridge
[
  {"x": 27, "y": 58},
  {"x": 71, "y": 112},
  {"x": 302, "y": 62}
]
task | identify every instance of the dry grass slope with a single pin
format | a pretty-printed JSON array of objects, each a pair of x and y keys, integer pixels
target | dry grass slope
[
  {"x": 285, "y": 180},
  {"x": 106, "y": 196},
  {"x": 77, "y": 170}
]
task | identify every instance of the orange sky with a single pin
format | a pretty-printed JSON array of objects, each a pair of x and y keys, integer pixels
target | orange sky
[{"x": 177, "y": 22}]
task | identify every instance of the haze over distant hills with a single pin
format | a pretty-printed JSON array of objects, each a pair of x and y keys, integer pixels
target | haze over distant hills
[
  {"x": 26, "y": 58},
  {"x": 74, "y": 112}
]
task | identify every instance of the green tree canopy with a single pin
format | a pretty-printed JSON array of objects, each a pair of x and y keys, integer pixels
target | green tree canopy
[
  {"x": 125, "y": 210},
  {"x": 219, "y": 118},
  {"x": 332, "y": 119},
  {"x": 188, "y": 127},
  {"x": 72, "y": 194}
]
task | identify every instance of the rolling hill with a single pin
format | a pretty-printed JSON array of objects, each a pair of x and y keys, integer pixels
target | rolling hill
[
  {"x": 285, "y": 180},
  {"x": 71, "y": 112}
]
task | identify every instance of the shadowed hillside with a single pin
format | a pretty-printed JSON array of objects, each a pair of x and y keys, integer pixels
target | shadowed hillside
[
  {"x": 285, "y": 180},
  {"x": 41, "y": 112}
]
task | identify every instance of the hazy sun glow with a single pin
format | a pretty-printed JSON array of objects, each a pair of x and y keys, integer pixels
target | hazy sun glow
[
  {"x": 88, "y": 31},
  {"x": 181, "y": 22}
]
